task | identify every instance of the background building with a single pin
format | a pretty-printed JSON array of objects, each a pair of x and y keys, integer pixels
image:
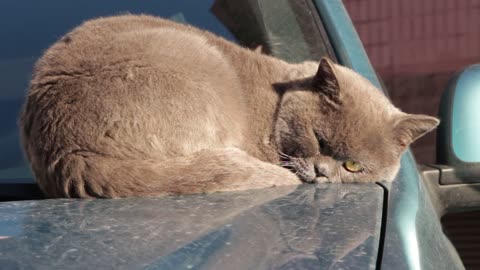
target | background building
[{"x": 416, "y": 46}]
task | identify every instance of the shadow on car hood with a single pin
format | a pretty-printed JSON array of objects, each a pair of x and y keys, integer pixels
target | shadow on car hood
[{"x": 329, "y": 226}]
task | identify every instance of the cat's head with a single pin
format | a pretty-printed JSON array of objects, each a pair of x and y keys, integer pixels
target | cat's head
[{"x": 337, "y": 127}]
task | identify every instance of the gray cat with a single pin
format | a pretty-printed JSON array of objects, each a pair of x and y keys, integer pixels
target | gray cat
[{"x": 138, "y": 105}]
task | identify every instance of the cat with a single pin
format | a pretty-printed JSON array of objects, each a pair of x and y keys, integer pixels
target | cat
[{"x": 136, "y": 105}]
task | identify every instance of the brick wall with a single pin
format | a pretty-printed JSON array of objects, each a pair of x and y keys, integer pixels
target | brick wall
[{"x": 415, "y": 46}]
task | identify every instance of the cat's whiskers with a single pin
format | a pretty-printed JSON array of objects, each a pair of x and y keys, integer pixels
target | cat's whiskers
[
  {"x": 287, "y": 164},
  {"x": 283, "y": 155}
]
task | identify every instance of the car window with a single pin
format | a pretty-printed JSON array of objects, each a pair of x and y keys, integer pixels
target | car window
[{"x": 288, "y": 29}]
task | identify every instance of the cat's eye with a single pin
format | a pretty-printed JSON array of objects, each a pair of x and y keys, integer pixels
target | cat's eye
[{"x": 352, "y": 166}]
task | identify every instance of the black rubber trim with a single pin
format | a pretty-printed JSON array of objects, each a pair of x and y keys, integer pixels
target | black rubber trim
[
  {"x": 20, "y": 192},
  {"x": 383, "y": 227}
]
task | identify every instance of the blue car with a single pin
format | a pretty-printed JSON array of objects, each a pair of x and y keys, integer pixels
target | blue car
[{"x": 311, "y": 226}]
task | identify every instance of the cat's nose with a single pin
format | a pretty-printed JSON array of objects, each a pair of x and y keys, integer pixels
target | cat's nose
[{"x": 320, "y": 170}]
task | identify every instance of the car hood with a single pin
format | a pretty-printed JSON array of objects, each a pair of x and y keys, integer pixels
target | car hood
[{"x": 325, "y": 226}]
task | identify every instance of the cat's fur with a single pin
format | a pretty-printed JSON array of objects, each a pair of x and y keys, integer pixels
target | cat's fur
[{"x": 138, "y": 105}]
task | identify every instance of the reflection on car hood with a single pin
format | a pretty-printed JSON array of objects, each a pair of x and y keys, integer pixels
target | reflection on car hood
[{"x": 331, "y": 226}]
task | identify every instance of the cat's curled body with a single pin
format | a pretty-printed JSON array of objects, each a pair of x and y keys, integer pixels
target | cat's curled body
[{"x": 138, "y": 105}]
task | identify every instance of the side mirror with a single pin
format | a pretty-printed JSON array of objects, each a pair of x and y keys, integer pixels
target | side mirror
[
  {"x": 454, "y": 182},
  {"x": 458, "y": 136}
]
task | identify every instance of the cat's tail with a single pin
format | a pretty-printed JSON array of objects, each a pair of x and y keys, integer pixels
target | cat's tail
[{"x": 92, "y": 175}]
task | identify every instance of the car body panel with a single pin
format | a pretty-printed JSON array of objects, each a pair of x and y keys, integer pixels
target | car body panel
[{"x": 333, "y": 226}]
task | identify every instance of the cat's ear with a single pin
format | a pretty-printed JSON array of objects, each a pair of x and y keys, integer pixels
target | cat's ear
[
  {"x": 326, "y": 80},
  {"x": 410, "y": 127}
]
